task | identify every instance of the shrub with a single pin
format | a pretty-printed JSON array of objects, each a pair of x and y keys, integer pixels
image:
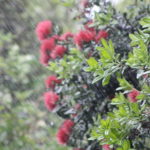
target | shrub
[{"x": 105, "y": 76}]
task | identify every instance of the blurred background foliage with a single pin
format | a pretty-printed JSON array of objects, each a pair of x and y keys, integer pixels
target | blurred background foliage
[{"x": 25, "y": 124}]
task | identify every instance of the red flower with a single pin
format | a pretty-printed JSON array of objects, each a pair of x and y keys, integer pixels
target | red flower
[
  {"x": 47, "y": 45},
  {"x": 58, "y": 51},
  {"x": 66, "y": 36},
  {"x": 106, "y": 147},
  {"x": 101, "y": 34},
  {"x": 43, "y": 29},
  {"x": 51, "y": 81},
  {"x": 50, "y": 99},
  {"x": 132, "y": 95},
  {"x": 64, "y": 132},
  {"x": 44, "y": 58},
  {"x": 67, "y": 125},
  {"x": 62, "y": 137},
  {"x": 83, "y": 36}
]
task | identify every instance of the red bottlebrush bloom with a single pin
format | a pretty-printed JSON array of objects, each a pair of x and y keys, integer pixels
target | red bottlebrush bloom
[
  {"x": 44, "y": 58},
  {"x": 132, "y": 95},
  {"x": 67, "y": 126},
  {"x": 84, "y": 36},
  {"x": 64, "y": 132},
  {"x": 66, "y": 36},
  {"x": 50, "y": 99},
  {"x": 62, "y": 137},
  {"x": 51, "y": 81},
  {"x": 47, "y": 45},
  {"x": 106, "y": 147},
  {"x": 58, "y": 51},
  {"x": 43, "y": 29},
  {"x": 101, "y": 34}
]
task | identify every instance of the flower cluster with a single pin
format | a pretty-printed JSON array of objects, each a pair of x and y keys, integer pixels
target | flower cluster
[
  {"x": 89, "y": 34},
  {"x": 43, "y": 29},
  {"x": 53, "y": 46},
  {"x": 50, "y": 99},
  {"x": 64, "y": 132},
  {"x": 51, "y": 81}
]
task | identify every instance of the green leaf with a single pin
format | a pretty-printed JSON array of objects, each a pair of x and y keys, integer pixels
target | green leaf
[
  {"x": 92, "y": 62},
  {"x": 96, "y": 79},
  {"x": 106, "y": 80},
  {"x": 126, "y": 145}
]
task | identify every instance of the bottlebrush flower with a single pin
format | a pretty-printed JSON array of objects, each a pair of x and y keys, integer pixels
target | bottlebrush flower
[
  {"x": 50, "y": 99},
  {"x": 101, "y": 34},
  {"x": 132, "y": 95},
  {"x": 51, "y": 81},
  {"x": 66, "y": 36},
  {"x": 44, "y": 58},
  {"x": 106, "y": 147},
  {"x": 64, "y": 132},
  {"x": 58, "y": 51},
  {"x": 62, "y": 137},
  {"x": 84, "y": 36},
  {"x": 47, "y": 45},
  {"x": 43, "y": 29}
]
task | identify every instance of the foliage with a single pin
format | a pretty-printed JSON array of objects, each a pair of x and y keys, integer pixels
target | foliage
[
  {"x": 124, "y": 125},
  {"x": 24, "y": 123}
]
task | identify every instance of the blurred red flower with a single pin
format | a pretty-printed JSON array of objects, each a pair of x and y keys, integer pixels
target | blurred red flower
[
  {"x": 84, "y": 36},
  {"x": 106, "y": 147},
  {"x": 44, "y": 58},
  {"x": 132, "y": 95},
  {"x": 47, "y": 45},
  {"x": 43, "y": 29},
  {"x": 58, "y": 51},
  {"x": 50, "y": 99},
  {"x": 51, "y": 81},
  {"x": 64, "y": 131},
  {"x": 101, "y": 34}
]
